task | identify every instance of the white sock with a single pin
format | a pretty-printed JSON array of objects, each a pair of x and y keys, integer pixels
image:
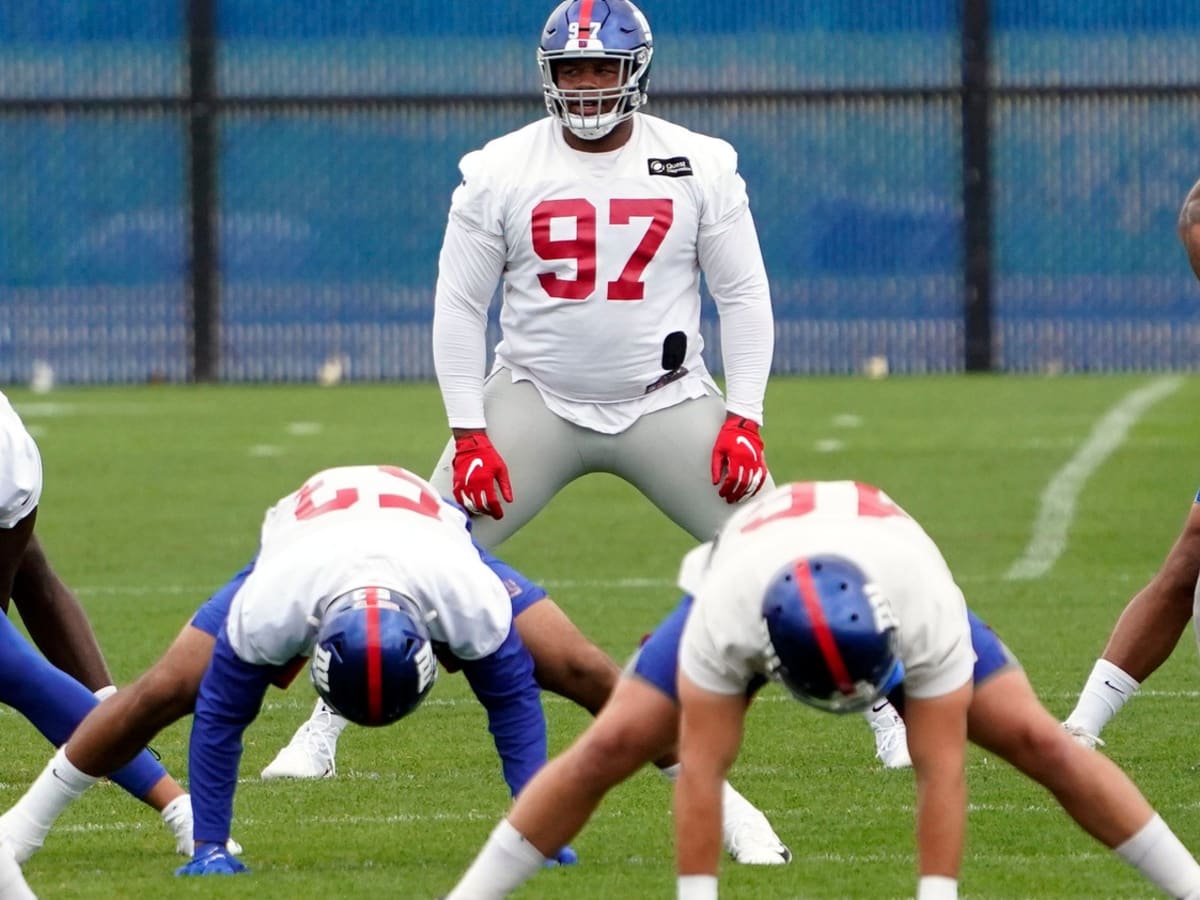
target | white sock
[
  {"x": 505, "y": 863},
  {"x": 26, "y": 825},
  {"x": 1158, "y": 854},
  {"x": 1107, "y": 690}
]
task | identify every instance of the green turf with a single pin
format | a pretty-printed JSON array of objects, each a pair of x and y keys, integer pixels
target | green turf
[{"x": 154, "y": 496}]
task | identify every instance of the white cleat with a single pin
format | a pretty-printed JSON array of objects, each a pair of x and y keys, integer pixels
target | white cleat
[
  {"x": 1081, "y": 737},
  {"x": 891, "y": 742},
  {"x": 752, "y": 841},
  {"x": 311, "y": 751},
  {"x": 12, "y": 881},
  {"x": 177, "y": 816}
]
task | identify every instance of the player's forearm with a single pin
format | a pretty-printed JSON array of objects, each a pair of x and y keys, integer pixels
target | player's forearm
[
  {"x": 747, "y": 347},
  {"x": 504, "y": 683},
  {"x": 698, "y": 821},
  {"x": 941, "y": 819},
  {"x": 56, "y": 621},
  {"x": 229, "y": 699},
  {"x": 459, "y": 358},
  {"x": 737, "y": 278}
]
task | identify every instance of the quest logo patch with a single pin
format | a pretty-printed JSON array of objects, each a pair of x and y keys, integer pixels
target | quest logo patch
[{"x": 675, "y": 167}]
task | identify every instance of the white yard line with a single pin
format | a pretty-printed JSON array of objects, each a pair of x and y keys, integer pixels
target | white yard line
[{"x": 1057, "y": 509}]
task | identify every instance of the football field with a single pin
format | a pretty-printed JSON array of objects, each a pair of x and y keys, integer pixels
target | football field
[{"x": 1053, "y": 499}]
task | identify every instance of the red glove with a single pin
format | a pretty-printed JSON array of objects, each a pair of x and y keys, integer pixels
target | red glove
[
  {"x": 478, "y": 468},
  {"x": 738, "y": 455}
]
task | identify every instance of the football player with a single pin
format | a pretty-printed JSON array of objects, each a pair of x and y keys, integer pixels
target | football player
[
  {"x": 599, "y": 220},
  {"x": 1152, "y": 622},
  {"x": 831, "y": 589},
  {"x": 369, "y": 565},
  {"x": 56, "y": 693},
  {"x": 353, "y": 545}
]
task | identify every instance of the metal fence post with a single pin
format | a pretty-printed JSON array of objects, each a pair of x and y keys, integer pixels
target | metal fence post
[
  {"x": 977, "y": 187},
  {"x": 203, "y": 273}
]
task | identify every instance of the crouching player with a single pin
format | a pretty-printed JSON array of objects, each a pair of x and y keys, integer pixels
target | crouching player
[
  {"x": 832, "y": 589},
  {"x": 369, "y": 567}
]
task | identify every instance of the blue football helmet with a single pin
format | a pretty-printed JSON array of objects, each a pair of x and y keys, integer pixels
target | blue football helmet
[
  {"x": 833, "y": 633},
  {"x": 373, "y": 662},
  {"x": 596, "y": 29}
]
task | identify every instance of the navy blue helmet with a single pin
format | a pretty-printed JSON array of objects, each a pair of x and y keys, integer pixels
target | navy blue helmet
[
  {"x": 373, "y": 662},
  {"x": 833, "y": 633},
  {"x": 596, "y": 29}
]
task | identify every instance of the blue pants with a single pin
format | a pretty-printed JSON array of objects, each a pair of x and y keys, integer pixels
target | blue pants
[
  {"x": 658, "y": 659},
  {"x": 55, "y": 703}
]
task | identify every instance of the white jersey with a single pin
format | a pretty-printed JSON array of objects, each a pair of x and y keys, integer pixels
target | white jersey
[
  {"x": 601, "y": 256},
  {"x": 362, "y": 526},
  {"x": 20, "y": 468},
  {"x": 725, "y": 642}
]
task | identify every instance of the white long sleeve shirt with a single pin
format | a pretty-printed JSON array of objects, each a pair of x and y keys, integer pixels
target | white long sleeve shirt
[{"x": 601, "y": 256}]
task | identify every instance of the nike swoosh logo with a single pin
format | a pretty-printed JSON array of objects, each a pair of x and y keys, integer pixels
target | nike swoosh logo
[
  {"x": 741, "y": 439},
  {"x": 476, "y": 463},
  {"x": 1108, "y": 683},
  {"x": 878, "y": 708},
  {"x": 54, "y": 772}
]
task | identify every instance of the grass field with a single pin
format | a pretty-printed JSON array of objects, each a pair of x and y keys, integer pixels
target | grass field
[{"x": 154, "y": 496}]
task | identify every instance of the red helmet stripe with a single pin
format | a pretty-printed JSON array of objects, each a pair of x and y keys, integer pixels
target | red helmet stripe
[
  {"x": 585, "y": 20},
  {"x": 374, "y": 658},
  {"x": 825, "y": 639}
]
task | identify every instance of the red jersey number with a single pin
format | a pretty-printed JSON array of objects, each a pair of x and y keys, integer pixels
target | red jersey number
[
  {"x": 802, "y": 500},
  {"x": 582, "y": 247},
  {"x": 317, "y": 498}
]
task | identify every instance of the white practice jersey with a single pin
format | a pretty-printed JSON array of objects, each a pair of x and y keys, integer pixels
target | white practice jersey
[
  {"x": 362, "y": 526},
  {"x": 725, "y": 642},
  {"x": 601, "y": 256},
  {"x": 20, "y": 468}
]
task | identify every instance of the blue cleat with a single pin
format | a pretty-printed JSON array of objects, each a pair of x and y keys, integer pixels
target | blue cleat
[
  {"x": 565, "y": 857},
  {"x": 212, "y": 859}
]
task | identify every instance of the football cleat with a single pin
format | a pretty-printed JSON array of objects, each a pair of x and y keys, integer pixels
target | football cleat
[
  {"x": 212, "y": 860},
  {"x": 752, "y": 841},
  {"x": 311, "y": 751},
  {"x": 1081, "y": 737},
  {"x": 891, "y": 742},
  {"x": 564, "y": 857},
  {"x": 177, "y": 816}
]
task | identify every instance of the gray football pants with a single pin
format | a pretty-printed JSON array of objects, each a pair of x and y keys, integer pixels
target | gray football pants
[{"x": 667, "y": 455}]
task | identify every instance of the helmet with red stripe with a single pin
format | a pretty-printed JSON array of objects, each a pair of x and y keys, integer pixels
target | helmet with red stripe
[
  {"x": 373, "y": 662},
  {"x": 833, "y": 634},
  {"x": 613, "y": 30}
]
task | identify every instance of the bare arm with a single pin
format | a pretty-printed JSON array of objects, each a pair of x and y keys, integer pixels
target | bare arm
[
  {"x": 1153, "y": 621},
  {"x": 937, "y": 742},
  {"x": 55, "y": 620},
  {"x": 1189, "y": 227},
  {"x": 710, "y": 733},
  {"x": 13, "y": 544}
]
